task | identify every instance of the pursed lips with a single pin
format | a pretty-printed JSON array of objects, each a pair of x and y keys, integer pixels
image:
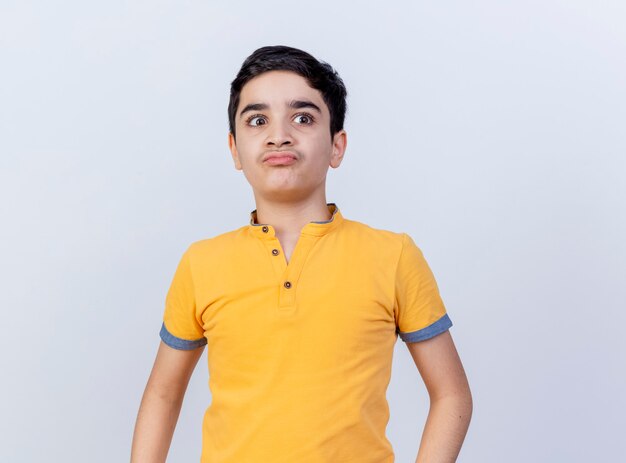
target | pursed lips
[{"x": 279, "y": 154}]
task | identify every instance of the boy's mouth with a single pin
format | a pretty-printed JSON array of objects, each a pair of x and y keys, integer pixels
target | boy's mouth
[{"x": 276, "y": 158}]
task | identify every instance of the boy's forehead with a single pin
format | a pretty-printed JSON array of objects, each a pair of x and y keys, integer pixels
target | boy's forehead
[{"x": 278, "y": 87}]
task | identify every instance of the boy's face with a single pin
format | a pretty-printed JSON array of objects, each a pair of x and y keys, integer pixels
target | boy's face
[{"x": 279, "y": 112}]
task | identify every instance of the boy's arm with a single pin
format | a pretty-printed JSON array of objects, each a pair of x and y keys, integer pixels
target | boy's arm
[
  {"x": 450, "y": 398},
  {"x": 161, "y": 403}
]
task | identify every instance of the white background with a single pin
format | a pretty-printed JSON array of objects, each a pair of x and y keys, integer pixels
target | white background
[{"x": 494, "y": 133}]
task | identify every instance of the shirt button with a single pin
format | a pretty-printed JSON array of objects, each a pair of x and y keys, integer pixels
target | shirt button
[
  {"x": 265, "y": 229},
  {"x": 275, "y": 252},
  {"x": 287, "y": 284}
]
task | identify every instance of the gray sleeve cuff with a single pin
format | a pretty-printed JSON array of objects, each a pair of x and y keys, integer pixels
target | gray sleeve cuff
[
  {"x": 178, "y": 343},
  {"x": 430, "y": 331}
]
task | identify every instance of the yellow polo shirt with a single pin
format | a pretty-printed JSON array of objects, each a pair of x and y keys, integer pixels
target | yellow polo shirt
[{"x": 299, "y": 354}]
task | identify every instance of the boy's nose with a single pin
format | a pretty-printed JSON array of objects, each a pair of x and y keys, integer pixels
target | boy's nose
[{"x": 279, "y": 134}]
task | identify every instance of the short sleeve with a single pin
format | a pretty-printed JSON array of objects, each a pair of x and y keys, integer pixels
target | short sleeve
[
  {"x": 181, "y": 328},
  {"x": 419, "y": 310}
]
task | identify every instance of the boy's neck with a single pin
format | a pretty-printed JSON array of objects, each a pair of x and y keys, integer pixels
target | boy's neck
[{"x": 288, "y": 218}]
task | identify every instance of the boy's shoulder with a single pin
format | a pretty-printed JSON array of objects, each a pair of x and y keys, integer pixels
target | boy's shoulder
[
  {"x": 220, "y": 241},
  {"x": 371, "y": 232}
]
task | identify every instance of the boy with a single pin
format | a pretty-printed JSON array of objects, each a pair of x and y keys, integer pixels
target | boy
[{"x": 301, "y": 307}]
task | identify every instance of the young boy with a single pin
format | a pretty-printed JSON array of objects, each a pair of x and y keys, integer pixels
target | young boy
[{"x": 300, "y": 307}]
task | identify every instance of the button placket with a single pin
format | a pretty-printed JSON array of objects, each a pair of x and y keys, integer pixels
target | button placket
[
  {"x": 288, "y": 273},
  {"x": 287, "y": 297},
  {"x": 291, "y": 275},
  {"x": 276, "y": 257}
]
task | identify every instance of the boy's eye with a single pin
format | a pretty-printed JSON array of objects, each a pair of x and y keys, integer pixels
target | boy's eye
[
  {"x": 304, "y": 119},
  {"x": 254, "y": 119},
  {"x": 258, "y": 120}
]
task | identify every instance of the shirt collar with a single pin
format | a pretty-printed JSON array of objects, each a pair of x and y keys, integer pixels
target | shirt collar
[{"x": 265, "y": 230}]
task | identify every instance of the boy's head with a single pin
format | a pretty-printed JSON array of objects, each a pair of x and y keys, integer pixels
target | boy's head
[
  {"x": 287, "y": 110},
  {"x": 319, "y": 75}
]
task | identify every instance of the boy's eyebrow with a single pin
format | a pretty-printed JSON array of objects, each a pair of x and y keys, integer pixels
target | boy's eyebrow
[
  {"x": 295, "y": 104},
  {"x": 299, "y": 104},
  {"x": 253, "y": 107}
]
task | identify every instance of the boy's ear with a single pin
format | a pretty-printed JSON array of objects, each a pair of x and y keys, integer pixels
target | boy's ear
[
  {"x": 340, "y": 143},
  {"x": 232, "y": 146}
]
